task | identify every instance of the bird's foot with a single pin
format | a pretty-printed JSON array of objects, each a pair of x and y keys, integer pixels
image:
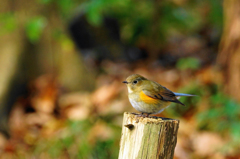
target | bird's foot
[
  {"x": 154, "y": 117},
  {"x": 144, "y": 115},
  {"x": 135, "y": 113},
  {"x": 147, "y": 115},
  {"x": 140, "y": 115}
]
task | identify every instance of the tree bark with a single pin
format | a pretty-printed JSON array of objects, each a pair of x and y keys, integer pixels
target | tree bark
[
  {"x": 229, "y": 55},
  {"x": 146, "y": 137}
]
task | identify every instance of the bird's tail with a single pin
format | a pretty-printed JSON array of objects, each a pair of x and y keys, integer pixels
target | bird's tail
[{"x": 182, "y": 94}]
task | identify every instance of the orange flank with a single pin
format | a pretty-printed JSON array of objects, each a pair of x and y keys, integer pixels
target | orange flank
[{"x": 147, "y": 99}]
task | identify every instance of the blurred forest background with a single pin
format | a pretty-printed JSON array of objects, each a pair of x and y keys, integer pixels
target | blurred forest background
[{"x": 62, "y": 63}]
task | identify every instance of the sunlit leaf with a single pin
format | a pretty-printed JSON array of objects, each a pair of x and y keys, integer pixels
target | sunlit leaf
[{"x": 34, "y": 28}]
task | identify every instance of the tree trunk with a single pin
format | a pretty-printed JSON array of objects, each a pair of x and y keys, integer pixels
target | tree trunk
[
  {"x": 21, "y": 61},
  {"x": 229, "y": 55}
]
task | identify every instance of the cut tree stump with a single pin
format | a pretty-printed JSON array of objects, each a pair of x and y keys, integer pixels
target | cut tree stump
[{"x": 147, "y": 137}]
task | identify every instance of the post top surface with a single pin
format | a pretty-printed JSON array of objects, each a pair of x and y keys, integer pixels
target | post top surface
[{"x": 134, "y": 116}]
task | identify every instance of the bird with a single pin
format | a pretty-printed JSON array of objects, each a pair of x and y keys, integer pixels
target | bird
[{"x": 150, "y": 97}]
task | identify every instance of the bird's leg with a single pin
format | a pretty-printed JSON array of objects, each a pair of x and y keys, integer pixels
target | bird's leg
[
  {"x": 135, "y": 113},
  {"x": 141, "y": 115},
  {"x": 151, "y": 116},
  {"x": 147, "y": 115}
]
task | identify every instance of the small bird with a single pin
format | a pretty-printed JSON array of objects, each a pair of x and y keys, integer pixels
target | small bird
[{"x": 148, "y": 96}]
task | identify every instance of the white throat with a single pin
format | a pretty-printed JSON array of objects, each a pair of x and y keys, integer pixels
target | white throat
[{"x": 129, "y": 90}]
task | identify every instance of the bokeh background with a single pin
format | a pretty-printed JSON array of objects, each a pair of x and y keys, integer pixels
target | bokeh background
[{"x": 62, "y": 63}]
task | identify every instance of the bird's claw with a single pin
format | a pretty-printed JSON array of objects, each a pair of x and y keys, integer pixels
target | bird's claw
[
  {"x": 145, "y": 115},
  {"x": 154, "y": 117}
]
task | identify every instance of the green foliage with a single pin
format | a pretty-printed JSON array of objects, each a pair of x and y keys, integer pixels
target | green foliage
[
  {"x": 94, "y": 11},
  {"x": 74, "y": 142},
  {"x": 181, "y": 19},
  {"x": 66, "y": 7},
  {"x": 216, "y": 13},
  {"x": 222, "y": 117},
  {"x": 222, "y": 114},
  {"x": 104, "y": 149},
  {"x": 190, "y": 102},
  {"x": 7, "y": 23},
  {"x": 34, "y": 28},
  {"x": 188, "y": 63},
  {"x": 153, "y": 19},
  {"x": 44, "y": 1}
]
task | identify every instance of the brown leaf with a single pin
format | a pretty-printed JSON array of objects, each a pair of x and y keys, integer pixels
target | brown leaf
[
  {"x": 105, "y": 94},
  {"x": 206, "y": 143},
  {"x": 75, "y": 106}
]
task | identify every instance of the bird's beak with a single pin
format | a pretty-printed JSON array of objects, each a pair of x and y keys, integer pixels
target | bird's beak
[{"x": 125, "y": 82}]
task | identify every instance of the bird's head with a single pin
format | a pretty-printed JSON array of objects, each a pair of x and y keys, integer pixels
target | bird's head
[{"x": 134, "y": 82}]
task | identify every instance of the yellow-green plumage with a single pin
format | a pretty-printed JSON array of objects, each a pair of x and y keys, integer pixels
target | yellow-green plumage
[{"x": 148, "y": 96}]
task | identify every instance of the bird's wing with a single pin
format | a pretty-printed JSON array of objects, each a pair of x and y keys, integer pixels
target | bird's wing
[
  {"x": 162, "y": 93},
  {"x": 152, "y": 94}
]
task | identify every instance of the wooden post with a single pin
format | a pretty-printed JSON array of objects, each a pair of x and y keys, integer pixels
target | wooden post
[{"x": 148, "y": 138}]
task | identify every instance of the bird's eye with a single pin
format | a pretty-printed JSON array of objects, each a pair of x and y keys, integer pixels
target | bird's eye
[{"x": 135, "y": 82}]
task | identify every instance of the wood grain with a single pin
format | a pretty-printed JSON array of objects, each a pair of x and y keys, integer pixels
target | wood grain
[{"x": 148, "y": 138}]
